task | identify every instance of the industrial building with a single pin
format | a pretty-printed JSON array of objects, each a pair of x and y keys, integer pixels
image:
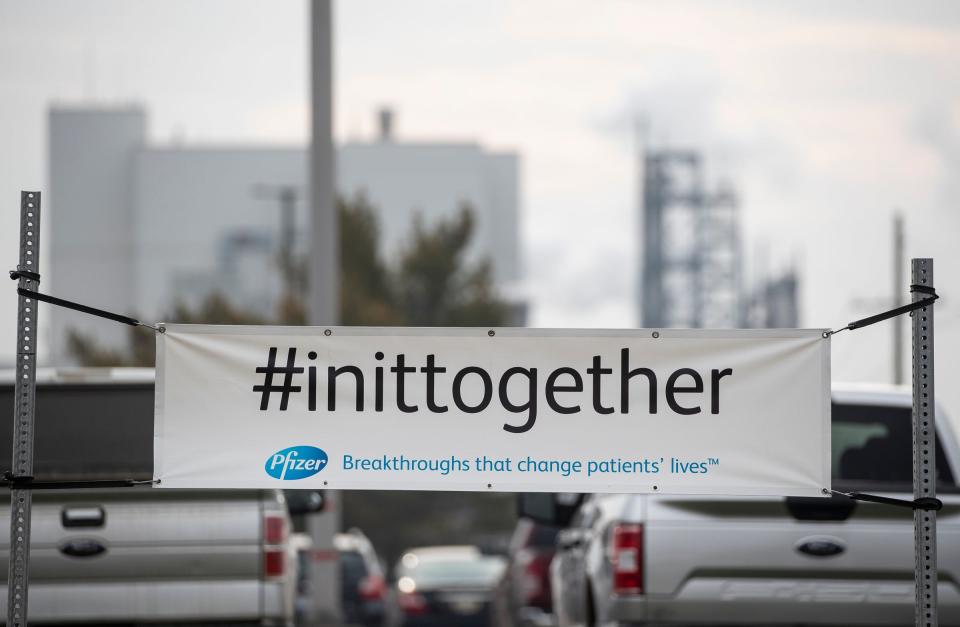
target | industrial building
[
  {"x": 137, "y": 227},
  {"x": 692, "y": 258}
]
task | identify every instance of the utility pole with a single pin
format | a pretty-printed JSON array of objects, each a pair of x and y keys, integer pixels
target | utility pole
[
  {"x": 286, "y": 195},
  {"x": 641, "y": 129},
  {"x": 898, "y": 322},
  {"x": 323, "y": 306}
]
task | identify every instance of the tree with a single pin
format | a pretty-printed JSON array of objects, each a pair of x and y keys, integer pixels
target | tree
[
  {"x": 433, "y": 285},
  {"x": 141, "y": 342},
  {"x": 367, "y": 293},
  {"x": 436, "y": 286}
]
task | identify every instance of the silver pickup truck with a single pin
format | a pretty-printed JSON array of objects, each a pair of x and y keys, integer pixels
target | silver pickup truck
[
  {"x": 696, "y": 560},
  {"x": 138, "y": 554}
]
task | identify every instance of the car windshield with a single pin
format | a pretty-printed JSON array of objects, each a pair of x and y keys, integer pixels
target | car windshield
[
  {"x": 352, "y": 568},
  {"x": 473, "y": 572},
  {"x": 88, "y": 431},
  {"x": 543, "y": 536}
]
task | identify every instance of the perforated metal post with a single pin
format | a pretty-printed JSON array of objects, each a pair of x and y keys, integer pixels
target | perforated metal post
[
  {"x": 24, "y": 395},
  {"x": 924, "y": 447}
]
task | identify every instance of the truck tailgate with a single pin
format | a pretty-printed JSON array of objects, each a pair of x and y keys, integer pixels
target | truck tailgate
[
  {"x": 141, "y": 553},
  {"x": 788, "y": 559},
  {"x": 142, "y": 533}
]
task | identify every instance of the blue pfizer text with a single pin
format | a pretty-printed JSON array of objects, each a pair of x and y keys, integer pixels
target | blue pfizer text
[{"x": 296, "y": 462}]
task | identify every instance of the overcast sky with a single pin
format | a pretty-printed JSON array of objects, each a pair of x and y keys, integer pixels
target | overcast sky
[{"x": 824, "y": 115}]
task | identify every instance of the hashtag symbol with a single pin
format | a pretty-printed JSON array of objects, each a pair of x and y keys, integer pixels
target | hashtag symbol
[{"x": 272, "y": 368}]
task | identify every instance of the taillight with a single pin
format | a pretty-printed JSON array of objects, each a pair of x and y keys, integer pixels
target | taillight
[
  {"x": 274, "y": 529},
  {"x": 626, "y": 557},
  {"x": 274, "y": 562},
  {"x": 274, "y": 545},
  {"x": 372, "y": 588},
  {"x": 412, "y": 603}
]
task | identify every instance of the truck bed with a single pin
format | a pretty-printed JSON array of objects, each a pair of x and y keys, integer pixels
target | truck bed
[{"x": 131, "y": 554}]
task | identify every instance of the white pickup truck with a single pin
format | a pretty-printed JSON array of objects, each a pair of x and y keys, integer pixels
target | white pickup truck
[
  {"x": 696, "y": 560},
  {"x": 138, "y": 554}
]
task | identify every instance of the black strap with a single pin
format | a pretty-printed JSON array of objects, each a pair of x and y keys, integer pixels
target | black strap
[
  {"x": 93, "y": 311},
  {"x": 893, "y": 313},
  {"x": 25, "y": 274},
  {"x": 26, "y": 482},
  {"x": 926, "y": 503}
]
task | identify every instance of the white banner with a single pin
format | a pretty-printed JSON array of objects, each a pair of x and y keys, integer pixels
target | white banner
[{"x": 672, "y": 411}]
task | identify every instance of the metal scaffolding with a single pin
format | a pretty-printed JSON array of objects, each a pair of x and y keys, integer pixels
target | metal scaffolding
[{"x": 691, "y": 246}]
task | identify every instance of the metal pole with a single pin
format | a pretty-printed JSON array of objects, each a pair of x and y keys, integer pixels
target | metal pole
[
  {"x": 653, "y": 308},
  {"x": 287, "y": 196},
  {"x": 924, "y": 447},
  {"x": 898, "y": 322},
  {"x": 288, "y": 203},
  {"x": 323, "y": 273},
  {"x": 24, "y": 395}
]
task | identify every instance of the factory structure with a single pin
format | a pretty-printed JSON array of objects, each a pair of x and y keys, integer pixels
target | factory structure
[
  {"x": 139, "y": 227},
  {"x": 155, "y": 225},
  {"x": 692, "y": 269}
]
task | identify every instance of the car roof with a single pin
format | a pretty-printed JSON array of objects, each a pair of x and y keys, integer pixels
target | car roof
[
  {"x": 442, "y": 552},
  {"x": 351, "y": 541},
  {"x": 873, "y": 394}
]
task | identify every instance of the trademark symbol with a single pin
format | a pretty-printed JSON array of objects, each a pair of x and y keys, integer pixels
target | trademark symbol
[{"x": 713, "y": 461}]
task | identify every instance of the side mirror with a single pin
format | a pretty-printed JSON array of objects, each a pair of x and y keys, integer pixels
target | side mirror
[
  {"x": 555, "y": 509},
  {"x": 304, "y": 501}
]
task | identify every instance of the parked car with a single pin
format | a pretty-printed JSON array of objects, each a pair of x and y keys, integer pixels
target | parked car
[
  {"x": 523, "y": 596},
  {"x": 137, "y": 554},
  {"x": 446, "y": 586},
  {"x": 363, "y": 586},
  {"x": 644, "y": 559}
]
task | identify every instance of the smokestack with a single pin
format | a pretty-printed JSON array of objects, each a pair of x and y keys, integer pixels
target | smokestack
[{"x": 385, "y": 118}]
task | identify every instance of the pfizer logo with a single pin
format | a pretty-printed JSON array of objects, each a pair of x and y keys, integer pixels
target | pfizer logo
[{"x": 296, "y": 462}]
